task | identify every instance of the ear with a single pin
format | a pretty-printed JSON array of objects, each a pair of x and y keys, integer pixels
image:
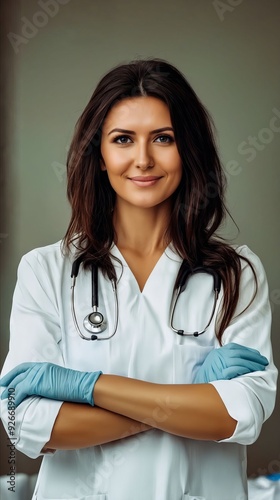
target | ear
[{"x": 102, "y": 164}]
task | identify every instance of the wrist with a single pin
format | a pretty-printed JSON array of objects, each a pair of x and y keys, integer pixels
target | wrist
[
  {"x": 99, "y": 389},
  {"x": 87, "y": 386}
]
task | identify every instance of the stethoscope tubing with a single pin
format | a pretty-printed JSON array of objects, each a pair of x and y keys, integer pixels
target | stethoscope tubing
[
  {"x": 186, "y": 273},
  {"x": 95, "y": 328}
]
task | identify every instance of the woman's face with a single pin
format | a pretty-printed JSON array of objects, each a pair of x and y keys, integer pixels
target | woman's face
[{"x": 139, "y": 149}]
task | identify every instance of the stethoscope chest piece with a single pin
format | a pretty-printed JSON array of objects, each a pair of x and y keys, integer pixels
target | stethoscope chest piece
[{"x": 95, "y": 322}]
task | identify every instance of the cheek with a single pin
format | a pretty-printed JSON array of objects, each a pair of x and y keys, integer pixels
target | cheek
[
  {"x": 117, "y": 181},
  {"x": 177, "y": 177},
  {"x": 177, "y": 171},
  {"x": 115, "y": 163},
  {"x": 173, "y": 161}
]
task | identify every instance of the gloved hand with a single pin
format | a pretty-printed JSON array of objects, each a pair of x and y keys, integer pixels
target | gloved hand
[
  {"x": 228, "y": 362},
  {"x": 49, "y": 381}
]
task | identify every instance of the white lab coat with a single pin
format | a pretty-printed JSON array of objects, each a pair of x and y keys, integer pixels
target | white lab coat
[{"x": 153, "y": 465}]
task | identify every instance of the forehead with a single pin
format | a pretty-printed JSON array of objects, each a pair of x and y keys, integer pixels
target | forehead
[{"x": 136, "y": 110}]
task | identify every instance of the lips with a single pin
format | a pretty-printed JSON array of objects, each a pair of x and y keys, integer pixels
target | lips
[
  {"x": 145, "y": 182},
  {"x": 145, "y": 178}
]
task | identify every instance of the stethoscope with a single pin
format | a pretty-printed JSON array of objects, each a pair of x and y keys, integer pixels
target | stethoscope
[{"x": 95, "y": 322}]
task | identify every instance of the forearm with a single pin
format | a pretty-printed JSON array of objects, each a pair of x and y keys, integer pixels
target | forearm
[
  {"x": 192, "y": 411},
  {"x": 81, "y": 426}
]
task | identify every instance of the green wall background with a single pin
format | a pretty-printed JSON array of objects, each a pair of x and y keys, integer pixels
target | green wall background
[{"x": 54, "y": 53}]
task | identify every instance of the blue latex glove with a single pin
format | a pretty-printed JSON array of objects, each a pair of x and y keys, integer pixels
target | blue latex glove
[
  {"x": 228, "y": 362},
  {"x": 49, "y": 381}
]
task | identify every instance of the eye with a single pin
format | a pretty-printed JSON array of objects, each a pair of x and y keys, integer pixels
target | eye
[
  {"x": 166, "y": 139},
  {"x": 170, "y": 139},
  {"x": 116, "y": 139}
]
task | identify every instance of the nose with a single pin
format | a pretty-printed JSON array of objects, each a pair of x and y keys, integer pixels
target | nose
[{"x": 144, "y": 158}]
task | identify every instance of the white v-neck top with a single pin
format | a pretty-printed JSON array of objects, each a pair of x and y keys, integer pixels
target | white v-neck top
[{"x": 153, "y": 465}]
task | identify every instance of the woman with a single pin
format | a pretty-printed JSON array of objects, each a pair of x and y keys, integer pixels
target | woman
[{"x": 147, "y": 413}]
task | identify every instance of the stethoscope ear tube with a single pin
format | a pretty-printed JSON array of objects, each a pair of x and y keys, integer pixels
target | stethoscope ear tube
[
  {"x": 75, "y": 267},
  {"x": 186, "y": 271},
  {"x": 216, "y": 277},
  {"x": 94, "y": 285}
]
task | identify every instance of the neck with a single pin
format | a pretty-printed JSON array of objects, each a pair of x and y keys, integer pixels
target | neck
[{"x": 139, "y": 229}]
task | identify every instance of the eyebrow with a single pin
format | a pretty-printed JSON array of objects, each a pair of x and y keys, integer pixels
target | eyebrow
[{"x": 131, "y": 132}]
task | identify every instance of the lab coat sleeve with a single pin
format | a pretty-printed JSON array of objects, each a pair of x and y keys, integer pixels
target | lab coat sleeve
[
  {"x": 34, "y": 336},
  {"x": 250, "y": 398}
]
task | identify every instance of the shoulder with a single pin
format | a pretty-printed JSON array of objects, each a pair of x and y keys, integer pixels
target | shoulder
[
  {"x": 245, "y": 252},
  {"x": 252, "y": 269},
  {"x": 49, "y": 259},
  {"x": 44, "y": 254}
]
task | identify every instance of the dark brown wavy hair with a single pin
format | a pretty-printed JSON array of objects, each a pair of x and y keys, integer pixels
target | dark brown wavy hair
[{"x": 198, "y": 202}]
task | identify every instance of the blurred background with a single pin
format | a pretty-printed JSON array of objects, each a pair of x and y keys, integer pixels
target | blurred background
[{"x": 53, "y": 53}]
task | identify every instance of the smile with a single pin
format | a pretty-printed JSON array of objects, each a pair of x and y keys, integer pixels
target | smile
[{"x": 145, "y": 183}]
